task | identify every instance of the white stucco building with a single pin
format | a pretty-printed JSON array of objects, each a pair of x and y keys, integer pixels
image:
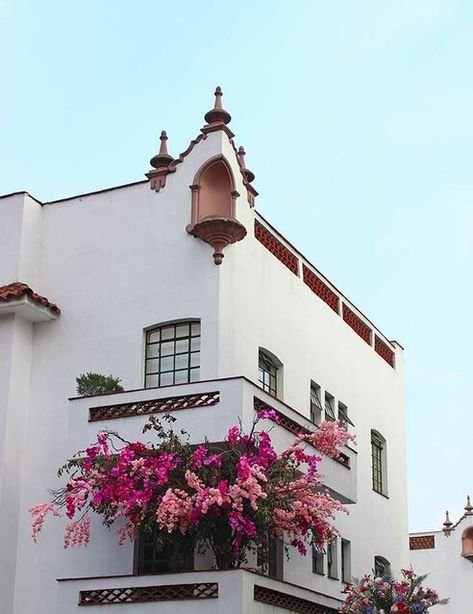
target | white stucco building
[
  {"x": 447, "y": 555},
  {"x": 130, "y": 273}
]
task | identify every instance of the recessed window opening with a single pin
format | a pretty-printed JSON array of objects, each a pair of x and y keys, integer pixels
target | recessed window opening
[
  {"x": 317, "y": 561},
  {"x": 172, "y": 354},
  {"x": 343, "y": 414},
  {"x": 381, "y": 566},
  {"x": 332, "y": 562},
  {"x": 346, "y": 560},
  {"x": 329, "y": 407},
  {"x": 315, "y": 403},
  {"x": 269, "y": 373},
  {"x": 378, "y": 463}
]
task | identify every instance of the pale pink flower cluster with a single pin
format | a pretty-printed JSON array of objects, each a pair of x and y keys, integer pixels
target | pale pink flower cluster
[
  {"x": 39, "y": 513},
  {"x": 77, "y": 533}
]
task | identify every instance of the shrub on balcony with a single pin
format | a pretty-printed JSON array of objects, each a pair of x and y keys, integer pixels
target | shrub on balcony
[
  {"x": 385, "y": 595},
  {"x": 228, "y": 497},
  {"x": 90, "y": 384}
]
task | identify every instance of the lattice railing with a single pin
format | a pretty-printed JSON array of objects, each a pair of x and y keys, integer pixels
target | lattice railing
[
  {"x": 384, "y": 351},
  {"x": 320, "y": 288},
  {"x": 289, "y": 602},
  {"x": 275, "y": 246},
  {"x": 143, "y": 594},
  {"x": 294, "y": 427},
  {"x": 153, "y": 406},
  {"x": 360, "y": 328},
  {"x": 422, "y": 542}
]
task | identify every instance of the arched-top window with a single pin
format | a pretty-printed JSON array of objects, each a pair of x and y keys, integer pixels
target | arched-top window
[
  {"x": 213, "y": 191},
  {"x": 378, "y": 463},
  {"x": 381, "y": 566},
  {"x": 270, "y": 373},
  {"x": 172, "y": 354},
  {"x": 467, "y": 543}
]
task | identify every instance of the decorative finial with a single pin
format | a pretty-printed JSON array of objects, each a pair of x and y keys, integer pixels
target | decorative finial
[
  {"x": 447, "y": 524},
  {"x": 162, "y": 158},
  {"x": 218, "y": 114},
  {"x": 249, "y": 176},
  {"x": 468, "y": 507}
]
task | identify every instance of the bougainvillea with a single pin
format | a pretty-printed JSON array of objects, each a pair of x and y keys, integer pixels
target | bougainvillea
[
  {"x": 384, "y": 595},
  {"x": 229, "y": 496}
]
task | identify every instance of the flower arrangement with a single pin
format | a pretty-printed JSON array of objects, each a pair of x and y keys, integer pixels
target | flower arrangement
[
  {"x": 228, "y": 497},
  {"x": 384, "y": 595}
]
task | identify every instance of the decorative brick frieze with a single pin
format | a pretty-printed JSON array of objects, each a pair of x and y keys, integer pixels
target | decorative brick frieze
[
  {"x": 422, "y": 542},
  {"x": 289, "y": 602},
  {"x": 140, "y": 408},
  {"x": 355, "y": 322},
  {"x": 144, "y": 594},
  {"x": 275, "y": 246},
  {"x": 321, "y": 289},
  {"x": 384, "y": 351}
]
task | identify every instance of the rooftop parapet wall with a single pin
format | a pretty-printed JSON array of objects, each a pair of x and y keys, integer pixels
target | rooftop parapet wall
[{"x": 324, "y": 290}]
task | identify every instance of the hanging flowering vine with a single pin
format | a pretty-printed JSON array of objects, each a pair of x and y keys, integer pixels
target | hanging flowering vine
[{"x": 228, "y": 497}]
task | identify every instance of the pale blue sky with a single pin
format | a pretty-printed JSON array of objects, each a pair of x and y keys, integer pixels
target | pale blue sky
[{"x": 357, "y": 121}]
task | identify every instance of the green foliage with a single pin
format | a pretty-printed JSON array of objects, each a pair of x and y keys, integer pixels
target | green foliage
[{"x": 90, "y": 384}]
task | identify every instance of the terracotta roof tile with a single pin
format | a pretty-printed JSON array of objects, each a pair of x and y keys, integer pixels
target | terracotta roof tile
[{"x": 17, "y": 290}]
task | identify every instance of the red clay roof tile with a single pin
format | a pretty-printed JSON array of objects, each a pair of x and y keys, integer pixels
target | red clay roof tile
[{"x": 18, "y": 290}]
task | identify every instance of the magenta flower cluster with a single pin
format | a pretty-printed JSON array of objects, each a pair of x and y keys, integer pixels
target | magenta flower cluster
[
  {"x": 385, "y": 595},
  {"x": 230, "y": 496}
]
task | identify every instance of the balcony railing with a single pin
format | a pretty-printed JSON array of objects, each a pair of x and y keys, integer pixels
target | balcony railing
[{"x": 209, "y": 592}]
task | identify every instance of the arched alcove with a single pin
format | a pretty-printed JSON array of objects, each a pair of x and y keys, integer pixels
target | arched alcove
[
  {"x": 467, "y": 543},
  {"x": 213, "y": 191}
]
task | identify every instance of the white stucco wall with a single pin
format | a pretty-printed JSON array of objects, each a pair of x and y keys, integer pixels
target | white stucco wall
[
  {"x": 119, "y": 261},
  {"x": 450, "y": 574}
]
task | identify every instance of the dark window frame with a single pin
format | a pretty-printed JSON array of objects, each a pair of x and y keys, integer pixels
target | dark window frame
[
  {"x": 268, "y": 373},
  {"x": 378, "y": 469},
  {"x": 172, "y": 354},
  {"x": 316, "y": 409}
]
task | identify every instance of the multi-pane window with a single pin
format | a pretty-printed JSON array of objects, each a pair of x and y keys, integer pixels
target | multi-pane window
[
  {"x": 270, "y": 557},
  {"x": 268, "y": 373},
  {"x": 315, "y": 404},
  {"x": 377, "y": 462},
  {"x": 172, "y": 354},
  {"x": 329, "y": 407},
  {"x": 346, "y": 561},
  {"x": 317, "y": 561},
  {"x": 151, "y": 558},
  {"x": 381, "y": 566}
]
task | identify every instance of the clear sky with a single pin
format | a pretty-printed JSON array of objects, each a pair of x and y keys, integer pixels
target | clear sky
[{"x": 357, "y": 121}]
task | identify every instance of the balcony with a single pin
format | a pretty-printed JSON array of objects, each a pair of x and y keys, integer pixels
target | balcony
[
  {"x": 205, "y": 409},
  {"x": 233, "y": 592}
]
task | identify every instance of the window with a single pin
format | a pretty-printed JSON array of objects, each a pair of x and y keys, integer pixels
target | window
[
  {"x": 315, "y": 404},
  {"x": 332, "y": 563},
  {"x": 381, "y": 566},
  {"x": 329, "y": 407},
  {"x": 346, "y": 561},
  {"x": 343, "y": 414},
  {"x": 317, "y": 561},
  {"x": 172, "y": 354},
  {"x": 378, "y": 462},
  {"x": 268, "y": 367},
  {"x": 270, "y": 557},
  {"x": 150, "y": 558}
]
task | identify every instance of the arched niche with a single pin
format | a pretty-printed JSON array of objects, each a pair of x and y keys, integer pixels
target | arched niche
[
  {"x": 467, "y": 543},
  {"x": 213, "y": 190}
]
